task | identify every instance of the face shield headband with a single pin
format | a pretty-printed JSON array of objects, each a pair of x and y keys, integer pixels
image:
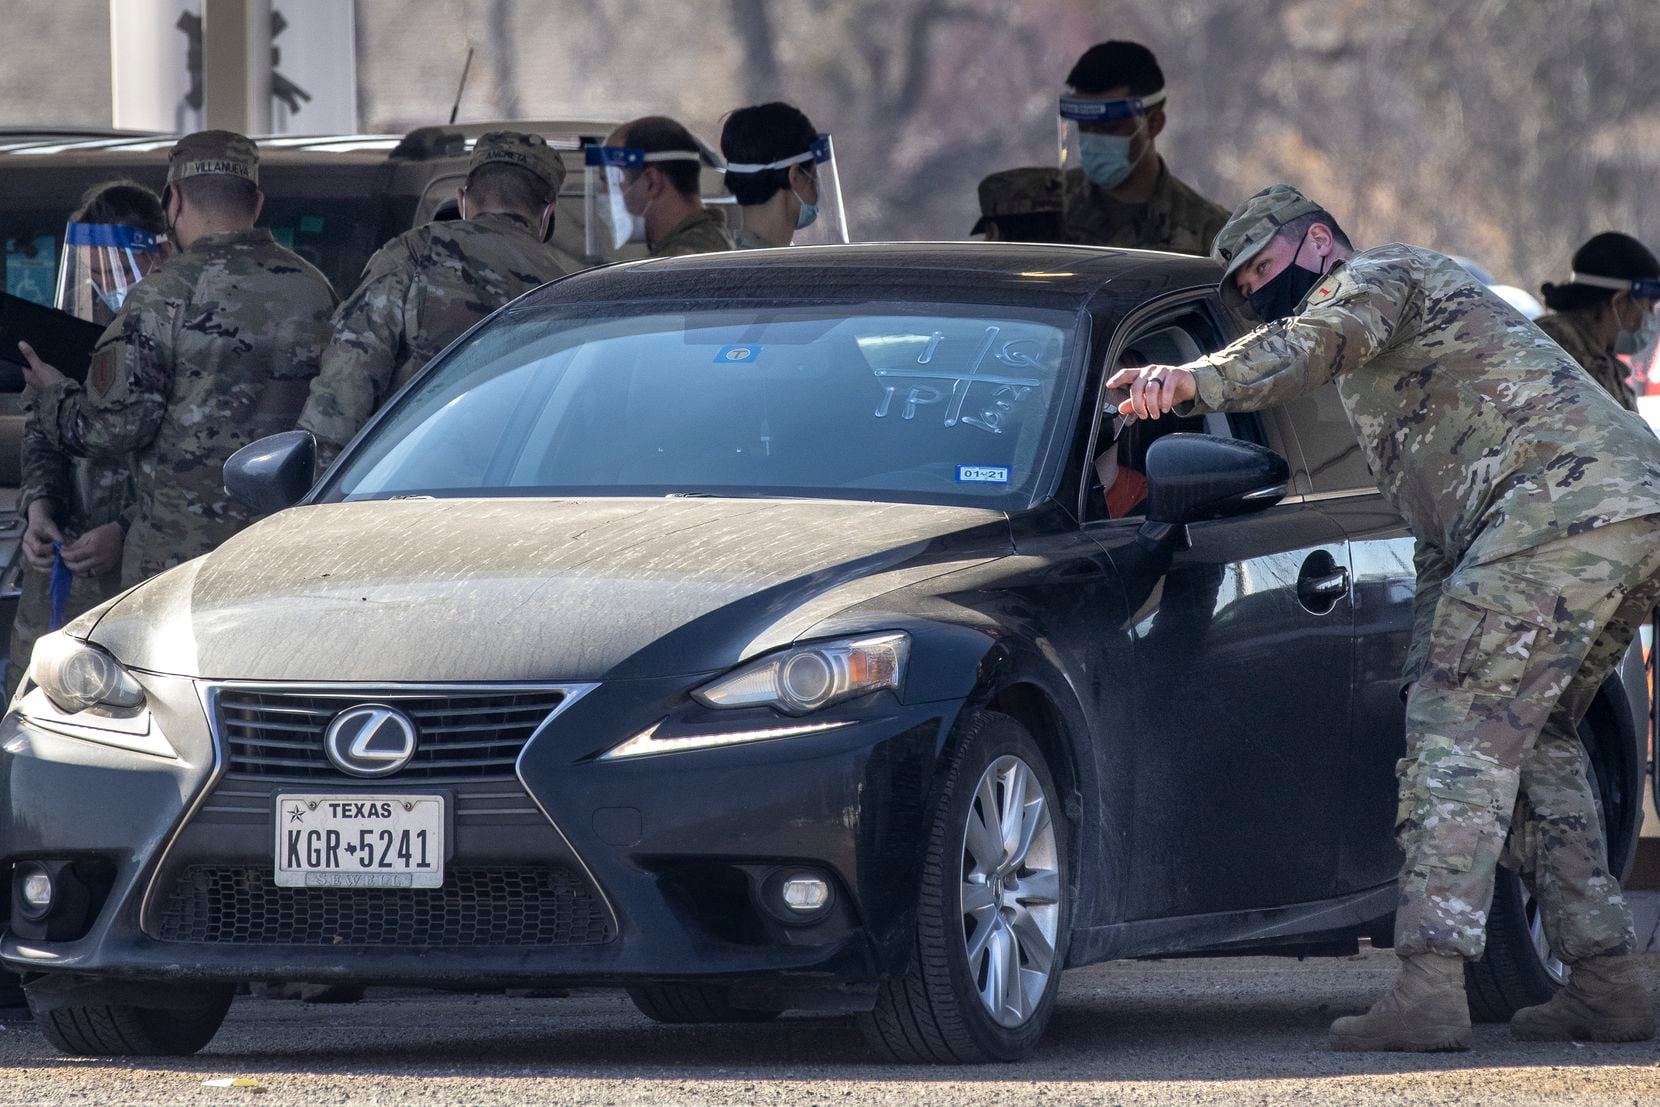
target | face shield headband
[
  {"x": 1643, "y": 288},
  {"x": 818, "y": 153},
  {"x": 1084, "y": 109}
]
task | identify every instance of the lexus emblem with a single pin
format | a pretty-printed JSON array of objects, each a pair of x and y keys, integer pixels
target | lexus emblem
[{"x": 371, "y": 740}]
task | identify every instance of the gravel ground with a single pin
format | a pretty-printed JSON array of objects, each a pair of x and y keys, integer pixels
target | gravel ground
[{"x": 1169, "y": 1032}]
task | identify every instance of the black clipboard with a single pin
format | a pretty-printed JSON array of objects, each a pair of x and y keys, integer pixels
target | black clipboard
[{"x": 59, "y": 339}]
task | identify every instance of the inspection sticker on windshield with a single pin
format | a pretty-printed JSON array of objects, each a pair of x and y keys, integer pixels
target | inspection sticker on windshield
[
  {"x": 983, "y": 474},
  {"x": 736, "y": 355}
]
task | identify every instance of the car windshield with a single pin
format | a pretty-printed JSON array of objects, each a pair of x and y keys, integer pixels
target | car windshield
[{"x": 943, "y": 403}]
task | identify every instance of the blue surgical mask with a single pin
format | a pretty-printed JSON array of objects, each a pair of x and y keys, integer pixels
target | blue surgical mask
[
  {"x": 1106, "y": 158},
  {"x": 112, "y": 300},
  {"x": 1636, "y": 339},
  {"x": 805, "y": 217}
]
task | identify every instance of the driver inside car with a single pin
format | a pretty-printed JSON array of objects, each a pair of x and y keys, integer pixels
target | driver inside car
[
  {"x": 1123, "y": 486},
  {"x": 1120, "y": 451}
]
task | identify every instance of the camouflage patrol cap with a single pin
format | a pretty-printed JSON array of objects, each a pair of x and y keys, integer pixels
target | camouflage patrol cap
[
  {"x": 1032, "y": 190},
  {"x": 527, "y": 151},
  {"x": 1252, "y": 227},
  {"x": 222, "y": 152}
]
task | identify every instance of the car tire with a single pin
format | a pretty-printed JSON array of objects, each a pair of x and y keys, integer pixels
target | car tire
[
  {"x": 126, "y": 1030},
  {"x": 681, "y": 1003},
  {"x": 940, "y": 1010},
  {"x": 1517, "y": 970}
]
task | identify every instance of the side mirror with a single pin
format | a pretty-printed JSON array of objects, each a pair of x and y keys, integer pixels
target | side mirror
[
  {"x": 272, "y": 473},
  {"x": 1195, "y": 477}
]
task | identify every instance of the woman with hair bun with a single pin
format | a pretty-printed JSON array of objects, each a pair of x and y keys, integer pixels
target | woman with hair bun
[{"x": 1606, "y": 307}]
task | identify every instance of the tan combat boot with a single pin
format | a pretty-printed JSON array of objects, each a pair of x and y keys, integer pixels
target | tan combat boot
[
  {"x": 1603, "y": 1001},
  {"x": 1424, "y": 1012}
]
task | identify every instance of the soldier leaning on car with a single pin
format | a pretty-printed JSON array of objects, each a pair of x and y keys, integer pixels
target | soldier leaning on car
[
  {"x": 209, "y": 352},
  {"x": 1535, "y": 502},
  {"x": 426, "y": 287}
]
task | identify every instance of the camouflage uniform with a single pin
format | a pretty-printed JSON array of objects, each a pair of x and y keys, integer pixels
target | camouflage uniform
[
  {"x": 423, "y": 290},
  {"x": 1532, "y": 496},
  {"x": 88, "y": 494},
  {"x": 1032, "y": 190},
  {"x": 1174, "y": 218},
  {"x": 702, "y": 232},
  {"x": 209, "y": 352},
  {"x": 745, "y": 239},
  {"x": 1571, "y": 330}
]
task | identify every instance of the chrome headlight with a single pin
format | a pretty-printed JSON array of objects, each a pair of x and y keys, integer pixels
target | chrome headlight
[
  {"x": 76, "y": 676},
  {"x": 804, "y": 679}
]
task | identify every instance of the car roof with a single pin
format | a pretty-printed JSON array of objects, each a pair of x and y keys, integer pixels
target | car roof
[{"x": 1035, "y": 273}]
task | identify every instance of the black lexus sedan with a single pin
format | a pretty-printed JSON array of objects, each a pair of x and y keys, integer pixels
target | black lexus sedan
[{"x": 763, "y": 631}]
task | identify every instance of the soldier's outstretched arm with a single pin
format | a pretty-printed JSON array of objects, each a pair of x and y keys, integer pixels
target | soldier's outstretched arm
[
  {"x": 355, "y": 373},
  {"x": 1349, "y": 318},
  {"x": 119, "y": 409}
]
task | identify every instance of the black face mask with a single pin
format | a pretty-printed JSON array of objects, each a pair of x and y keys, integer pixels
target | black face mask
[{"x": 1279, "y": 297}]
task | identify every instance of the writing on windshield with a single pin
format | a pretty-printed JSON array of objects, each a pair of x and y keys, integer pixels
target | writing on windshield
[{"x": 871, "y": 400}]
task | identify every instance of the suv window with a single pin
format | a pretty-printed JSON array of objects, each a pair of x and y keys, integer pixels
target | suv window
[
  {"x": 29, "y": 252},
  {"x": 337, "y": 235},
  {"x": 1330, "y": 450}
]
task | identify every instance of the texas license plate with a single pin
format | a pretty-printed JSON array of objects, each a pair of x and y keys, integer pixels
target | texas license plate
[{"x": 360, "y": 841}]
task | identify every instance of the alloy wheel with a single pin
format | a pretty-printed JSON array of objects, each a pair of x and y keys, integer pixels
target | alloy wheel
[
  {"x": 1549, "y": 961},
  {"x": 1011, "y": 891}
]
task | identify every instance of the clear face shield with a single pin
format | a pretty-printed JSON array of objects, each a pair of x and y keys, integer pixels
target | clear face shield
[
  {"x": 1097, "y": 137},
  {"x": 821, "y": 220},
  {"x": 613, "y": 206},
  {"x": 101, "y": 263},
  {"x": 1640, "y": 327}
]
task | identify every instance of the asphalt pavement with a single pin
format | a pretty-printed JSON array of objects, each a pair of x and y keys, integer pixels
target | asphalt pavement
[{"x": 1243, "y": 1031}]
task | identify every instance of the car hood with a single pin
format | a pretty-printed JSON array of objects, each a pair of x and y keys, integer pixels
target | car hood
[{"x": 468, "y": 590}]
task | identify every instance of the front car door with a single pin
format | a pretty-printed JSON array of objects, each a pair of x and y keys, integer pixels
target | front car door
[
  {"x": 1240, "y": 684},
  {"x": 1330, "y": 471}
]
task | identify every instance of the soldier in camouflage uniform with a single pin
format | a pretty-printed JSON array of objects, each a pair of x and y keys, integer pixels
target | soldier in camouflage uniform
[
  {"x": 426, "y": 287},
  {"x": 1124, "y": 194},
  {"x": 1535, "y": 501},
  {"x": 667, "y": 195},
  {"x": 1596, "y": 314},
  {"x": 77, "y": 503},
  {"x": 209, "y": 352},
  {"x": 1021, "y": 205}
]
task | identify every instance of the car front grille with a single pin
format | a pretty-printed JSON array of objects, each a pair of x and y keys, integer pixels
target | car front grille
[
  {"x": 475, "y": 907},
  {"x": 460, "y": 735}
]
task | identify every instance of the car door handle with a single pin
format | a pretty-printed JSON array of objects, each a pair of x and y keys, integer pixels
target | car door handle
[{"x": 1323, "y": 588}]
